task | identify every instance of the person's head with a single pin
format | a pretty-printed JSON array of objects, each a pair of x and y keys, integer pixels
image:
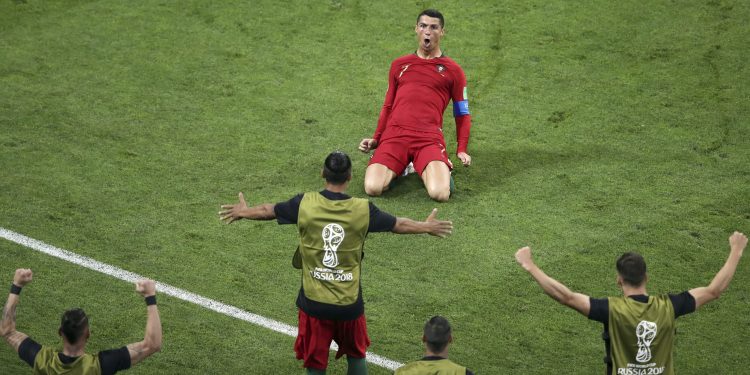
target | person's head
[
  {"x": 631, "y": 269},
  {"x": 432, "y": 13},
  {"x": 337, "y": 168},
  {"x": 437, "y": 334},
  {"x": 74, "y": 326},
  {"x": 430, "y": 29}
]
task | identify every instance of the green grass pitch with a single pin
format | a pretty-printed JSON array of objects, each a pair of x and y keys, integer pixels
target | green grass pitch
[{"x": 599, "y": 127}]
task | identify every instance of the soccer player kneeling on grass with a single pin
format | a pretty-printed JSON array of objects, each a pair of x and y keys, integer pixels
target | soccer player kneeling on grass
[
  {"x": 332, "y": 227},
  {"x": 74, "y": 330},
  {"x": 437, "y": 335},
  {"x": 409, "y": 135},
  {"x": 638, "y": 329}
]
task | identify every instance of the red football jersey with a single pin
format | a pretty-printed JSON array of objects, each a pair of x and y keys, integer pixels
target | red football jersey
[{"x": 418, "y": 93}]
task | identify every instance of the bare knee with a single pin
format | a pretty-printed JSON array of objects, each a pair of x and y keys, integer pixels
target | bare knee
[
  {"x": 377, "y": 178},
  {"x": 373, "y": 188},
  {"x": 440, "y": 195}
]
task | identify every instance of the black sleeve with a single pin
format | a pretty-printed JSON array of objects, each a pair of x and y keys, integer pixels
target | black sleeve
[
  {"x": 28, "y": 350},
  {"x": 380, "y": 221},
  {"x": 684, "y": 303},
  {"x": 599, "y": 309},
  {"x": 468, "y": 372},
  {"x": 114, "y": 360},
  {"x": 287, "y": 212}
]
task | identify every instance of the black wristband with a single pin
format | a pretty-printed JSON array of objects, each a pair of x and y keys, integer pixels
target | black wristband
[
  {"x": 150, "y": 300},
  {"x": 15, "y": 289}
]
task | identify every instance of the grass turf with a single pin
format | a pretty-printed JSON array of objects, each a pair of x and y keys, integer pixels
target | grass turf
[{"x": 598, "y": 128}]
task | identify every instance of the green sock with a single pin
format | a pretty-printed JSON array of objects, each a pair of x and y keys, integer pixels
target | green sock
[
  {"x": 312, "y": 371},
  {"x": 393, "y": 183},
  {"x": 357, "y": 366}
]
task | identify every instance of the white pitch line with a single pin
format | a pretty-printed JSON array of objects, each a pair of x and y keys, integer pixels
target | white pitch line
[{"x": 167, "y": 289}]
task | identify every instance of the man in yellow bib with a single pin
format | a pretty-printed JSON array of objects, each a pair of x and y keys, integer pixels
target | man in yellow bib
[
  {"x": 437, "y": 335},
  {"x": 74, "y": 330},
  {"x": 638, "y": 329},
  {"x": 332, "y": 228}
]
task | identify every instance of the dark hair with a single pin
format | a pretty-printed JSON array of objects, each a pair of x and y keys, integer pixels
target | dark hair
[
  {"x": 73, "y": 324},
  {"x": 337, "y": 168},
  {"x": 437, "y": 333},
  {"x": 632, "y": 268},
  {"x": 434, "y": 14}
]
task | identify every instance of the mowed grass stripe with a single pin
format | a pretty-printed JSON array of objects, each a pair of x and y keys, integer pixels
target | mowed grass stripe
[{"x": 167, "y": 289}]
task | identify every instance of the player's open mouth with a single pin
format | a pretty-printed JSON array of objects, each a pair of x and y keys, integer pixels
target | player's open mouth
[{"x": 426, "y": 42}]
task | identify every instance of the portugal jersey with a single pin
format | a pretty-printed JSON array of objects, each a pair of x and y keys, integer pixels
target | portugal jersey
[{"x": 419, "y": 91}]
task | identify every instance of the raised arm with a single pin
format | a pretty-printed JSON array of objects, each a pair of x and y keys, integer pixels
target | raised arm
[
  {"x": 432, "y": 226},
  {"x": 233, "y": 212},
  {"x": 8, "y": 323},
  {"x": 553, "y": 288},
  {"x": 706, "y": 294},
  {"x": 152, "y": 338}
]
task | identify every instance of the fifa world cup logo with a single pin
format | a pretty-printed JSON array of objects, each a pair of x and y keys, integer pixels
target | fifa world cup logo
[
  {"x": 646, "y": 332},
  {"x": 333, "y": 235}
]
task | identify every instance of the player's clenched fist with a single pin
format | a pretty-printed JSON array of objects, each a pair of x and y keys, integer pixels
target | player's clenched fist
[
  {"x": 146, "y": 288},
  {"x": 523, "y": 257},
  {"x": 22, "y": 277},
  {"x": 738, "y": 241}
]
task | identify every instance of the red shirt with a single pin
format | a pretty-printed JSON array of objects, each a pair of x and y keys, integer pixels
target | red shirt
[{"x": 418, "y": 93}]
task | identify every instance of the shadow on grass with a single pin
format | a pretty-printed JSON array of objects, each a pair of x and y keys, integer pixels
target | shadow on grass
[{"x": 491, "y": 169}]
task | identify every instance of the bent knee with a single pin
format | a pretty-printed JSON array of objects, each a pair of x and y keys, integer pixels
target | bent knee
[
  {"x": 373, "y": 189},
  {"x": 440, "y": 195}
]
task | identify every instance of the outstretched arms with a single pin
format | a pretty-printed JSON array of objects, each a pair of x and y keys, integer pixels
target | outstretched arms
[
  {"x": 553, "y": 288},
  {"x": 232, "y": 212},
  {"x": 704, "y": 295},
  {"x": 8, "y": 322},
  {"x": 432, "y": 226},
  {"x": 152, "y": 338}
]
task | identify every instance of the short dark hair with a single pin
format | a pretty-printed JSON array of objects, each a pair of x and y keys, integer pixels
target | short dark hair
[
  {"x": 437, "y": 333},
  {"x": 632, "y": 268},
  {"x": 337, "y": 168},
  {"x": 434, "y": 14},
  {"x": 73, "y": 324}
]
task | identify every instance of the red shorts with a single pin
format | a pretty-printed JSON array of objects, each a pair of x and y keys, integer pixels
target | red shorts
[
  {"x": 315, "y": 335},
  {"x": 403, "y": 146}
]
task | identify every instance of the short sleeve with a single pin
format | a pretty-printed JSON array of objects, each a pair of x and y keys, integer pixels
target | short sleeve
[
  {"x": 28, "y": 350},
  {"x": 684, "y": 303},
  {"x": 599, "y": 309},
  {"x": 380, "y": 221},
  {"x": 114, "y": 360},
  {"x": 287, "y": 212}
]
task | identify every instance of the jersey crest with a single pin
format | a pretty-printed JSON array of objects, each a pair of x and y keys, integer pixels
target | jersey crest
[{"x": 440, "y": 68}]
